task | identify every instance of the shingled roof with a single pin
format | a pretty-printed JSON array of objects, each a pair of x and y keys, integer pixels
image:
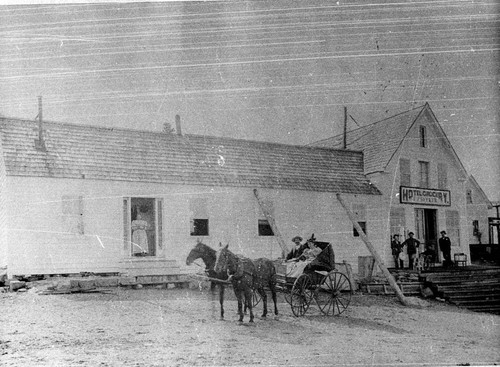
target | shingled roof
[
  {"x": 378, "y": 140},
  {"x": 89, "y": 152}
]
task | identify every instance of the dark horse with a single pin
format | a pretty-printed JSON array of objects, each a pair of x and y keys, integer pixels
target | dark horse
[
  {"x": 245, "y": 276},
  {"x": 209, "y": 255}
]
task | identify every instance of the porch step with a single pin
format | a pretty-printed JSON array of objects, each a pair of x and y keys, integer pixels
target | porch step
[{"x": 477, "y": 289}]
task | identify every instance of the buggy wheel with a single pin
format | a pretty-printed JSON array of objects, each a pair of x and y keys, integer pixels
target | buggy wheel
[
  {"x": 301, "y": 295},
  {"x": 255, "y": 298},
  {"x": 334, "y": 294},
  {"x": 287, "y": 293}
]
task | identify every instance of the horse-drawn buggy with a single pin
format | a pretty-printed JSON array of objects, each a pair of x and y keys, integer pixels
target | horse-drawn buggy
[{"x": 317, "y": 279}]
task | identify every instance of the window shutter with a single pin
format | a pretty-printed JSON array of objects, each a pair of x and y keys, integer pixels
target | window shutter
[
  {"x": 359, "y": 211},
  {"x": 442, "y": 176},
  {"x": 81, "y": 227},
  {"x": 453, "y": 226},
  {"x": 159, "y": 206},
  {"x": 404, "y": 172}
]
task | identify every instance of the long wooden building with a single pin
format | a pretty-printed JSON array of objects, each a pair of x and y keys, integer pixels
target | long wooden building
[{"x": 78, "y": 198}]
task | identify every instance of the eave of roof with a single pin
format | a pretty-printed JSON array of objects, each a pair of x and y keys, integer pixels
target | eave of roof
[{"x": 95, "y": 153}]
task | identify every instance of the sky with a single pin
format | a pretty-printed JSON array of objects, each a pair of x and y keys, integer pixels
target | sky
[{"x": 278, "y": 71}]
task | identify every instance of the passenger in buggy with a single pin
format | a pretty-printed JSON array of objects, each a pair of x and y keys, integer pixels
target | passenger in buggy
[
  {"x": 295, "y": 268},
  {"x": 297, "y": 250}
]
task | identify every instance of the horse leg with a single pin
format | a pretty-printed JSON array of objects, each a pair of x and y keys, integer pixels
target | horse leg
[
  {"x": 272, "y": 286},
  {"x": 263, "y": 295},
  {"x": 239, "y": 296},
  {"x": 248, "y": 300},
  {"x": 221, "y": 300}
]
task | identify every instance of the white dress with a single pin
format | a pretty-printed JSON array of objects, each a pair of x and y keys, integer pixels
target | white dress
[
  {"x": 295, "y": 269},
  {"x": 139, "y": 236}
]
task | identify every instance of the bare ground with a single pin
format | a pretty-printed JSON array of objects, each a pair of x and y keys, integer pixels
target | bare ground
[{"x": 181, "y": 327}]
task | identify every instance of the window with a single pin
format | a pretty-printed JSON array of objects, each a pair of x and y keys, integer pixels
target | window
[
  {"x": 199, "y": 217},
  {"x": 442, "y": 176},
  {"x": 265, "y": 228},
  {"x": 453, "y": 226},
  {"x": 469, "y": 196},
  {"x": 266, "y": 210},
  {"x": 423, "y": 137},
  {"x": 404, "y": 171},
  {"x": 355, "y": 231},
  {"x": 424, "y": 174},
  {"x": 142, "y": 221},
  {"x": 359, "y": 211},
  {"x": 199, "y": 227},
  {"x": 72, "y": 214}
]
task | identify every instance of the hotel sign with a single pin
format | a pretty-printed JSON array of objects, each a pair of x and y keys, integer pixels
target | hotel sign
[{"x": 417, "y": 195}]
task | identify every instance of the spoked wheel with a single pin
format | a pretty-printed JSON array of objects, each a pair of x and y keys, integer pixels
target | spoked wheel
[
  {"x": 255, "y": 298},
  {"x": 301, "y": 295},
  {"x": 334, "y": 293}
]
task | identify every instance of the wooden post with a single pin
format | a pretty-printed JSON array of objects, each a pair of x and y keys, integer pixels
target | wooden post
[
  {"x": 272, "y": 223},
  {"x": 371, "y": 248}
]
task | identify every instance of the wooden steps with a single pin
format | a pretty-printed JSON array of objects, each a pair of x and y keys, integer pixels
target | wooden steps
[{"x": 476, "y": 288}]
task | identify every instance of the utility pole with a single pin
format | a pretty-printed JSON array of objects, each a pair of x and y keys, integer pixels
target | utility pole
[
  {"x": 272, "y": 223},
  {"x": 376, "y": 256}
]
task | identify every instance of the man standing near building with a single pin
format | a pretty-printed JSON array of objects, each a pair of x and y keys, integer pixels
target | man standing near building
[
  {"x": 411, "y": 248},
  {"x": 445, "y": 246},
  {"x": 396, "y": 248}
]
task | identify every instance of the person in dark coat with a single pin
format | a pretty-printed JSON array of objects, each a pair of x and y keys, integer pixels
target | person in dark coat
[
  {"x": 411, "y": 248},
  {"x": 297, "y": 250},
  {"x": 445, "y": 247},
  {"x": 396, "y": 248}
]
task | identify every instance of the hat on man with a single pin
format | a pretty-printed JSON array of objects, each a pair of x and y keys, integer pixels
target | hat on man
[
  {"x": 443, "y": 232},
  {"x": 396, "y": 235},
  {"x": 411, "y": 233},
  {"x": 297, "y": 238}
]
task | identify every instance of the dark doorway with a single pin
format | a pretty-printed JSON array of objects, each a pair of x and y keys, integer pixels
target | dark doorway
[{"x": 426, "y": 231}]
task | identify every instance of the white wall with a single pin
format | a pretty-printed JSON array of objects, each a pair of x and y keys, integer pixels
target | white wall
[{"x": 39, "y": 241}]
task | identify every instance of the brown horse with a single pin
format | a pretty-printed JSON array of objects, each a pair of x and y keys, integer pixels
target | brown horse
[
  {"x": 209, "y": 255},
  {"x": 247, "y": 275}
]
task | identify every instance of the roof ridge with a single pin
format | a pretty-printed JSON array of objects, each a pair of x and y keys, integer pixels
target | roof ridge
[{"x": 159, "y": 133}]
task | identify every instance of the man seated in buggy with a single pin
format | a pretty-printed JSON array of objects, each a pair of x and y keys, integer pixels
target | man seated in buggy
[{"x": 317, "y": 257}]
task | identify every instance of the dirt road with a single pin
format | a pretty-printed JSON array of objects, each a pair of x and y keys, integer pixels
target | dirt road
[{"x": 160, "y": 327}]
